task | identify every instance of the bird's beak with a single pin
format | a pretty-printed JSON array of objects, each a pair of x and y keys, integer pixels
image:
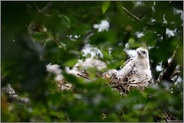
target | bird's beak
[{"x": 138, "y": 53}]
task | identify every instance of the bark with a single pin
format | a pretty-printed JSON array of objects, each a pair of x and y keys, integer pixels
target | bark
[
  {"x": 171, "y": 72},
  {"x": 10, "y": 92}
]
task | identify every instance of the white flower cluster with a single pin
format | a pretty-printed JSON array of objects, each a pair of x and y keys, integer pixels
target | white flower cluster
[{"x": 104, "y": 25}]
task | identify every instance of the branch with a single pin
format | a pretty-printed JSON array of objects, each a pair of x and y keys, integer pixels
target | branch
[
  {"x": 46, "y": 9},
  {"x": 33, "y": 26},
  {"x": 132, "y": 15},
  {"x": 175, "y": 74},
  {"x": 83, "y": 76},
  {"x": 171, "y": 72},
  {"x": 9, "y": 91},
  {"x": 67, "y": 117}
]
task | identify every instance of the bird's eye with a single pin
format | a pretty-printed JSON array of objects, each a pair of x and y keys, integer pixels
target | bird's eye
[{"x": 144, "y": 52}]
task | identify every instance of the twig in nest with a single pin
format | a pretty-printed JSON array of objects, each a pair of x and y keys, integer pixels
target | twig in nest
[{"x": 82, "y": 76}]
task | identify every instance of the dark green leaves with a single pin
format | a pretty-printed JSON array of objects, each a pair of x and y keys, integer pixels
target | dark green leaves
[
  {"x": 103, "y": 38},
  {"x": 58, "y": 36},
  {"x": 66, "y": 20}
]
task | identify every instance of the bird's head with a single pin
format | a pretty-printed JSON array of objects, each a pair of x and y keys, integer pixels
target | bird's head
[{"x": 142, "y": 53}]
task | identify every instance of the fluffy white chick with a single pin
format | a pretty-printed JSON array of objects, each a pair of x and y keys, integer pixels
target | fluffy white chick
[{"x": 137, "y": 70}]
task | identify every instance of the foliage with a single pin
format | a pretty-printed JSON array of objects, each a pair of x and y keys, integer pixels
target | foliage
[{"x": 37, "y": 33}]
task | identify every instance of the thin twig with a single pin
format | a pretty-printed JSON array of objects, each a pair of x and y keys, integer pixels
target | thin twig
[
  {"x": 82, "y": 76},
  {"x": 67, "y": 117},
  {"x": 132, "y": 15},
  {"x": 46, "y": 8}
]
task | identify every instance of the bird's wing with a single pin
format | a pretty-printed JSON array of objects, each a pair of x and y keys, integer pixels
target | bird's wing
[
  {"x": 129, "y": 68},
  {"x": 126, "y": 62}
]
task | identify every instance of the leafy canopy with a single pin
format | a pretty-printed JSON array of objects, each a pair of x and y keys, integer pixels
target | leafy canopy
[{"x": 35, "y": 34}]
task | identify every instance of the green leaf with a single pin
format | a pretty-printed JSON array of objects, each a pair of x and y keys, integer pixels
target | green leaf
[
  {"x": 71, "y": 62},
  {"x": 105, "y": 6},
  {"x": 105, "y": 37},
  {"x": 66, "y": 20},
  {"x": 40, "y": 36}
]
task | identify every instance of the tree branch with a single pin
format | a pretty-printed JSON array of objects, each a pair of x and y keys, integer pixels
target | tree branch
[
  {"x": 83, "y": 76},
  {"x": 9, "y": 91},
  {"x": 32, "y": 27},
  {"x": 132, "y": 15},
  {"x": 171, "y": 72},
  {"x": 46, "y": 9}
]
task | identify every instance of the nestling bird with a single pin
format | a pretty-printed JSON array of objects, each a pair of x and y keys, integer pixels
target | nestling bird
[{"x": 135, "y": 72}]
